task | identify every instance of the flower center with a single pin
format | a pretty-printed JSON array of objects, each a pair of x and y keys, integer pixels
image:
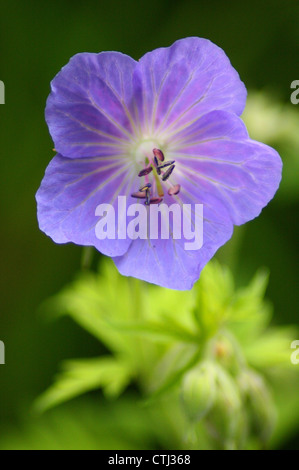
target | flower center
[
  {"x": 156, "y": 169},
  {"x": 144, "y": 149}
]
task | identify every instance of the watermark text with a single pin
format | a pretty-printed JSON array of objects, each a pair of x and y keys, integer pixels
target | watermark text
[
  {"x": 295, "y": 354},
  {"x": 295, "y": 95},
  {"x": 2, "y": 92},
  {"x": 155, "y": 221},
  {"x": 2, "y": 353}
]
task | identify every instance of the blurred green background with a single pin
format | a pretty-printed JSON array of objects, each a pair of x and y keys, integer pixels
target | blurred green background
[{"x": 37, "y": 39}]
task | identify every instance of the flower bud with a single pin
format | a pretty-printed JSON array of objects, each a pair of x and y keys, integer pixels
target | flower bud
[
  {"x": 259, "y": 402},
  {"x": 226, "y": 353},
  {"x": 198, "y": 391},
  {"x": 225, "y": 421}
]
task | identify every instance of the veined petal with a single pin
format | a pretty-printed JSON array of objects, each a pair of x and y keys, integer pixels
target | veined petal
[
  {"x": 215, "y": 156},
  {"x": 177, "y": 84},
  {"x": 90, "y": 109},
  {"x": 167, "y": 262},
  {"x": 70, "y": 192}
]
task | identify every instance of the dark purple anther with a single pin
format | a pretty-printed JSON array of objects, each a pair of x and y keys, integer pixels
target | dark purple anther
[
  {"x": 147, "y": 197},
  {"x": 145, "y": 171},
  {"x": 168, "y": 163},
  {"x": 168, "y": 173},
  {"x": 145, "y": 187},
  {"x": 159, "y": 154},
  {"x": 157, "y": 166}
]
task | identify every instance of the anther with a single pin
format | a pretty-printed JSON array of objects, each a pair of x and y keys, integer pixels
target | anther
[
  {"x": 147, "y": 197},
  {"x": 159, "y": 154},
  {"x": 174, "y": 190},
  {"x": 168, "y": 163},
  {"x": 157, "y": 166},
  {"x": 145, "y": 187},
  {"x": 145, "y": 171},
  {"x": 156, "y": 200},
  {"x": 138, "y": 194},
  {"x": 168, "y": 173}
]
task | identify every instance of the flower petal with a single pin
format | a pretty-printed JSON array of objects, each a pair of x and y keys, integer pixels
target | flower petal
[
  {"x": 177, "y": 84},
  {"x": 216, "y": 156},
  {"x": 167, "y": 262},
  {"x": 89, "y": 110},
  {"x": 70, "y": 192}
]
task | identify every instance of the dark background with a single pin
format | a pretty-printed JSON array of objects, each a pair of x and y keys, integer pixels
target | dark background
[{"x": 261, "y": 39}]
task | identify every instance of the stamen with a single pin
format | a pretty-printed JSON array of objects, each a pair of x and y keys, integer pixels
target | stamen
[
  {"x": 145, "y": 187},
  {"x": 147, "y": 197},
  {"x": 145, "y": 171},
  {"x": 156, "y": 200},
  {"x": 159, "y": 154},
  {"x": 168, "y": 163},
  {"x": 157, "y": 166},
  {"x": 138, "y": 194},
  {"x": 174, "y": 190},
  {"x": 168, "y": 173}
]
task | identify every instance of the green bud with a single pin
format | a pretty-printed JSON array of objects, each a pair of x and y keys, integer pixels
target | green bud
[
  {"x": 226, "y": 420},
  {"x": 225, "y": 351},
  {"x": 198, "y": 391},
  {"x": 259, "y": 402}
]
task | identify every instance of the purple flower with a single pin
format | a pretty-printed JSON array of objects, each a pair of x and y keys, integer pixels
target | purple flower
[{"x": 172, "y": 118}]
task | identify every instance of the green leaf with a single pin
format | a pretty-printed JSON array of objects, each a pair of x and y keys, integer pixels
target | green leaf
[
  {"x": 249, "y": 313},
  {"x": 214, "y": 291},
  {"x": 272, "y": 348},
  {"x": 170, "y": 370},
  {"x": 80, "y": 376},
  {"x": 157, "y": 331}
]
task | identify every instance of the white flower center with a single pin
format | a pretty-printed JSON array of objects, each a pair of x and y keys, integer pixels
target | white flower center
[{"x": 145, "y": 149}]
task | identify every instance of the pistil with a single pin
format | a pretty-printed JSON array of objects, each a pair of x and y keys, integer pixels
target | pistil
[{"x": 158, "y": 182}]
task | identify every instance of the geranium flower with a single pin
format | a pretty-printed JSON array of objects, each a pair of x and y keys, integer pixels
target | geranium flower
[{"x": 116, "y": 122}]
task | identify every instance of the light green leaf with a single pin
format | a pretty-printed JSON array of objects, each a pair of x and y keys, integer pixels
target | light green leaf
[
  {"x": 272, "y": 348},
  {"x": 80, "y": 376},
  {"x": 214, "y": 291},
  {"x": 157, "y": 331},
  {"x": 170, "y": 370}
]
